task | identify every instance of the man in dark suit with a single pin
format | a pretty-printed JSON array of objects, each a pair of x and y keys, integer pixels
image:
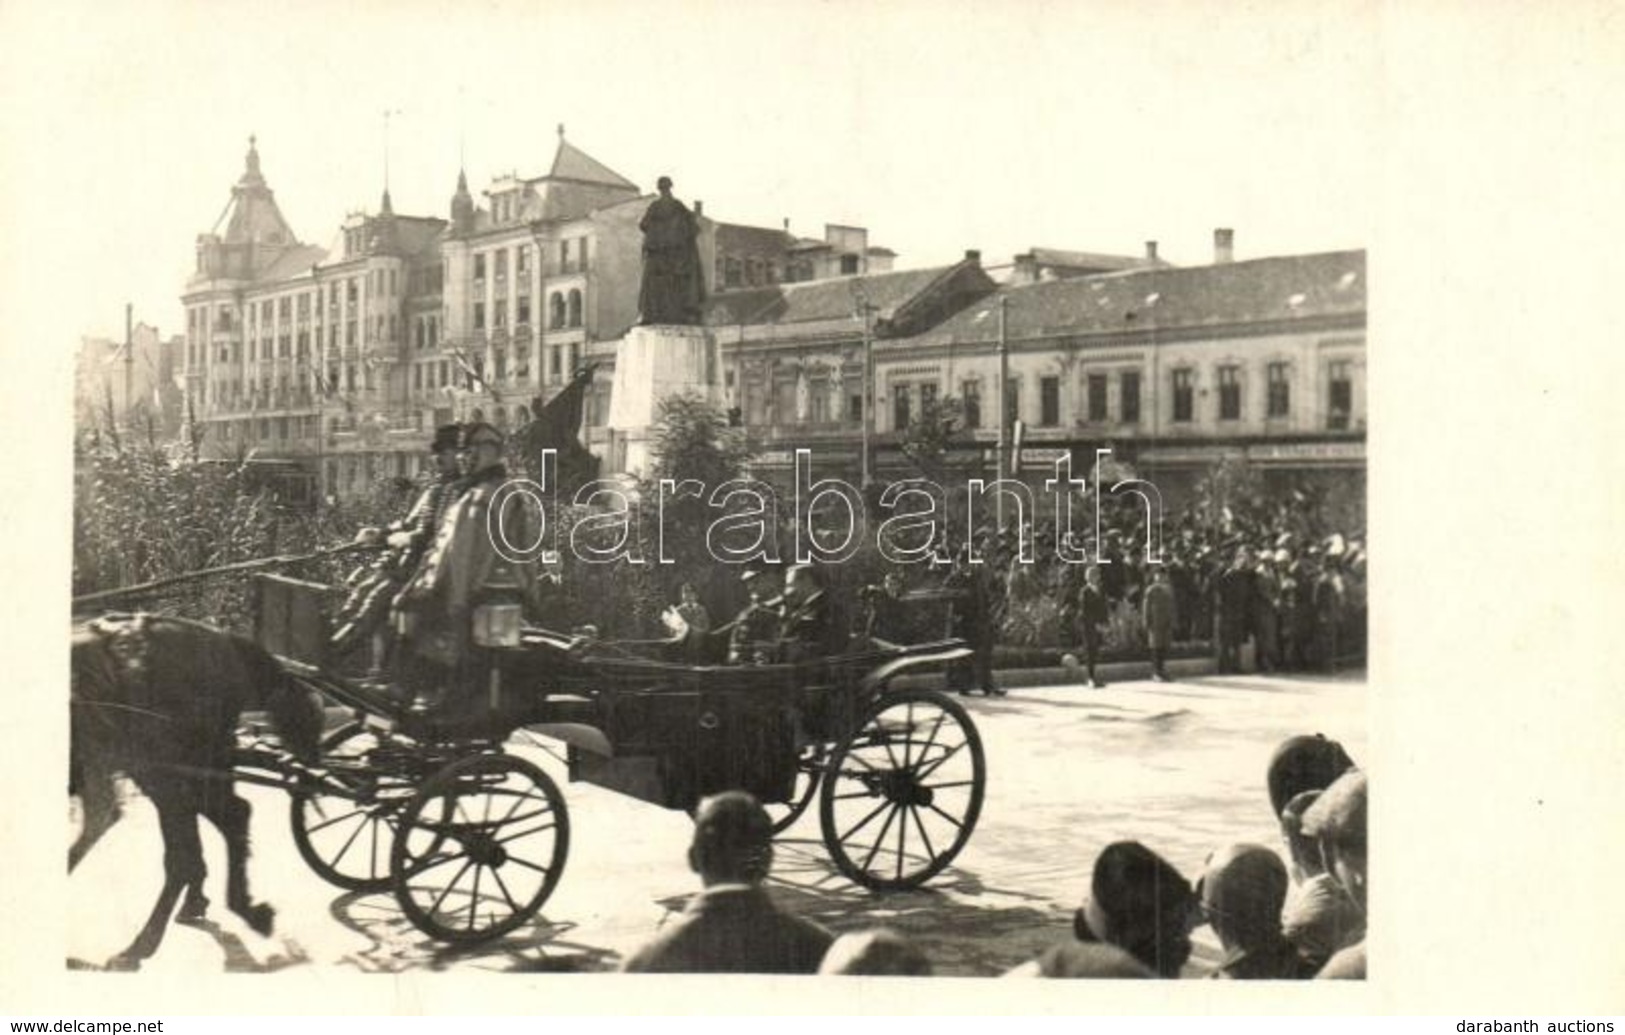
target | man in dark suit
[{"x": 732, "y": 926}]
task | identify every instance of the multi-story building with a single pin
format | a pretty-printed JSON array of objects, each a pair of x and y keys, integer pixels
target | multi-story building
[
  {"x": 346, "y": 357},
  {"x": 1171, "y": 368}
]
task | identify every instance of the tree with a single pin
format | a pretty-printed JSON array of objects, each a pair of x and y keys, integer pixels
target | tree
[{"x": 929, "y": 436}]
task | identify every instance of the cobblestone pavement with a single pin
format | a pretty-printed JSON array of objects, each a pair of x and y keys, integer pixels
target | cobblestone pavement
[{"x": 1179, "y": 767}]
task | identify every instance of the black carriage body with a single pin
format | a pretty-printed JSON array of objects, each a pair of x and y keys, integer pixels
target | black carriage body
[{"x": 404, "y": 799}]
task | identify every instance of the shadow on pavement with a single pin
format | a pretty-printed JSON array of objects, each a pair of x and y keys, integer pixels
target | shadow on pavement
[{"x": 395, "y": 945}]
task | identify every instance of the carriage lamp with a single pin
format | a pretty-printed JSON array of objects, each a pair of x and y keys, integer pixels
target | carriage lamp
[{"x": 499, "y": 615}]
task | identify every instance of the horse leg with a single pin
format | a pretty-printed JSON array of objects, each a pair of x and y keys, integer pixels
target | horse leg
[
  {"x": 229, "y": 812},
  {"x": 98, "y": 801},
  {"x": 183, "y": 866}
]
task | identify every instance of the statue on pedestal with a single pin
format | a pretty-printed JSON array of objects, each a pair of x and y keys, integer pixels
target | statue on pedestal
[{"x": 673, "y": 290}]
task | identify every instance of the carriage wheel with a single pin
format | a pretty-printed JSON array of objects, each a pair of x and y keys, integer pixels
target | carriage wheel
[
  {"x": 347, "y": 840},
  {"x": 808, "y": 767},
  {"x": 480, "y": 848},
  {"x": 903, "y": 792}
]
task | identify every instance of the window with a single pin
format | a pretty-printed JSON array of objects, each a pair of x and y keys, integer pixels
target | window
[
  {"x": 502, "y": 264},
  {"x": 1129, "y": 391},
  {"x": 349, "y": 377},
  {"x": 1340, "y": 395},
  {"x": 1049, "y": 401},
  {"x": 434, "y": 331},
  {"x": 1097, "y": 397},
  {"x": 854, "y": 409},
  {"x": 565, "y": 265},
  {"x": 734, "y": 274},
  {"x": 500, "y": 314},
  {"x": 1280, "y": 399},
  {"x": 304, "y": 305},
  {"x": 584, "y": 251},
  {"x": 575, "y": 307},
  {"x": 521, "y": 260},
  {"x": 900, "y": 407},
  {"x": 500, "y": 363},
  {"x": 555, "y": 362},
  {"x": 352, "y": 290},
  {"x": 970, "y": 393},
  {"x": 479, "y": 316},
  {"x": 1012, "y": 401},
  {"x": 555, "y": 306},
  {"x": 522, "y": 362},
  {"x": 818, "y": 399},
  {"x": 479, "y": 266},
  {"x": 753, "y": 272},
  {"x": 1184, "y": 381},
  {"x": 522, "y": 317},
  {"x": 1229, "y": 393},
  {"x": 849, "y": 264}
]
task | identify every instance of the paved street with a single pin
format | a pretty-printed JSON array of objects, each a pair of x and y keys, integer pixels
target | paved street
[{"x": 1180, "y": 767}]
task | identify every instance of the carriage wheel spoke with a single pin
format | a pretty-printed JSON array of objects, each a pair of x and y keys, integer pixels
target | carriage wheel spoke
[
  {"x": 948, "y": 786},
  {"x": 931, "y": 741},
  {"x": 447, "y": 889},
  {"x": 920, "y": 824},
  {"x": 908, "y": 744},
  {"x": 474, "y": 899},
  {"x": 947, "y": 817},
  {"x": 902, "y": 842},
  {"x": 513, "y": 904},
  {"x": 527, "y": 864},
  {"x": 875, "y": 848},
  {"x": 324, "y": 824},
  {"x": 937, "y": 764},
  {"x": 347, "y": 843},
  {"x": 526, "y": 833},
  {"x": 864, "y": 822},
  {"x": 423, "y": 865}
]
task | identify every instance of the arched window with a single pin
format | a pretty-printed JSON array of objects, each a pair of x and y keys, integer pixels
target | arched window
[
  {"x": 521, "y": 416},
  {"x": 575, "y": 307},
  {"x": 555, "y": 306}
]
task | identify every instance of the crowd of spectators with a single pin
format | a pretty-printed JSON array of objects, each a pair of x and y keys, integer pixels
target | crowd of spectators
[{"x": 1273, "y": 918}]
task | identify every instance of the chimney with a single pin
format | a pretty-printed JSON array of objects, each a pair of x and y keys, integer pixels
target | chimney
[
  {"x": 1224, "y": 240},
  {"x": 699, "y": 207},
  {"x": 1151, "y": 253},
  {"x": 973, "y": 255},
  {"x": 1026, "y": 269}
]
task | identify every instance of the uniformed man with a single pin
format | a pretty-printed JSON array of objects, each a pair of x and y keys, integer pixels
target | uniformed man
[
  {"x": 367, "y": 606},
  {"x": 461, "y": 571},
  {"x": 971, "y": 621},
  {"x": 751, "y": 633},
  {"x": 806, "y": 631}
]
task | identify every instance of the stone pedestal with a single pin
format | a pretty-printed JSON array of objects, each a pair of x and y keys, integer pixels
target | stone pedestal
[{"x": 651, "y": 363}]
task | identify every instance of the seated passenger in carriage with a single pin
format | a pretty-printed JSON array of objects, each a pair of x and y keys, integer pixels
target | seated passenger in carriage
[
  {"x": 752, "y": 632},
  {"x": 807, "y": 631},
  {"x": 465, "y": 598},
  {"x": 364, "y": 611}
]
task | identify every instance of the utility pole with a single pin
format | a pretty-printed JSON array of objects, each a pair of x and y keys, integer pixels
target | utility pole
[
  {"x": 868, "y": 414},
  {"x": 1002, "y": 455}
]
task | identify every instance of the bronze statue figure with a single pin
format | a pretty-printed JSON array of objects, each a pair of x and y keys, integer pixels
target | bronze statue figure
[{"x": 673, "y": 283}]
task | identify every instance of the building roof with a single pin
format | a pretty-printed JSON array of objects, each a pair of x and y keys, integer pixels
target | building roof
[
  {"x": 1281, "y": 288},
  {"x": 293, "y": 262},
  {"x": 835, "y": 298},
  {"x": 738, "y": 237},
  {"x": 572, "y": 163},
  {"x": 1065, "y": 259}
]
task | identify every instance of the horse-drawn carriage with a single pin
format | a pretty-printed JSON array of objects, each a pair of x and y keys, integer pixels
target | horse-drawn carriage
[{"x": 473, "y": 838}]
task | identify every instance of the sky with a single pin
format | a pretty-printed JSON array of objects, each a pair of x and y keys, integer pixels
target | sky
[{"x": 941, "y": 127}]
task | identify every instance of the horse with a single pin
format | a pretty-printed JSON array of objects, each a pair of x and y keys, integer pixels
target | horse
[{"x": 159, "y": 699}]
